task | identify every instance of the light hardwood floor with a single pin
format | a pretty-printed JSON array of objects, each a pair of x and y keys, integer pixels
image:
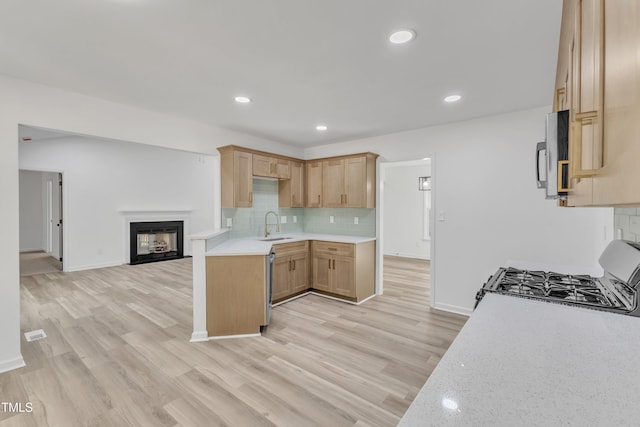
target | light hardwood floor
[
  {"x": 38, "y": 262},
  {"x": 117, "y": 353}
]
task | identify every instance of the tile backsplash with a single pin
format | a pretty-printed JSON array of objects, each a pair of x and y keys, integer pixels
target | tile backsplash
[
  {"x": 248, "y": 222},
  {"x": 627, "y": 223},
  {"x": 318, "y": 221}
]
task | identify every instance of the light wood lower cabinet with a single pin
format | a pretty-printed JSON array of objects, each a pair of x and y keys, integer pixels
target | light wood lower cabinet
[
  {"x": 343, "y": 269},
  {"x": 236, "y": 291},
  {"x": 290, "y": 270},
  {"x": 236, "y": 294}
]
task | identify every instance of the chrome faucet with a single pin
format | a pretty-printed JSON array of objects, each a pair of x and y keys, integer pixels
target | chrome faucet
[{"x": 266, "y": 225}]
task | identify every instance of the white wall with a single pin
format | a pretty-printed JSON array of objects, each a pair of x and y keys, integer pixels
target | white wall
[
  {"x": 103, "y": 178},
  {"x": 32, "y": 232},
  {"x": 42, "y": 106},
  {"x": 404, "y": 210},
  {"x": 483, "y": 183}
]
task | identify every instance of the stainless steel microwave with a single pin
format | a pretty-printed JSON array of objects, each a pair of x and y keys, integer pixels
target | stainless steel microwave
[{"x": 552, "y": 156}]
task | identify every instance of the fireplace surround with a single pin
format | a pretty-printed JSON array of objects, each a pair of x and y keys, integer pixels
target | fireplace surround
[{"x": 156, "y": 241}]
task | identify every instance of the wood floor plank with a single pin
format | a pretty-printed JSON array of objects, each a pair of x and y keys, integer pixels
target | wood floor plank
[{"x": 117, "y": 353}]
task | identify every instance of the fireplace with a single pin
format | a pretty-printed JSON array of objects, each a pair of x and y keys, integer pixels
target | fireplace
[{"x": 156, "y": 241}]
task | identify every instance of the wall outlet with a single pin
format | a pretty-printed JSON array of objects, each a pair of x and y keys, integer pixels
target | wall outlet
[
  {"x": 229, "y": 222},
  {"x": 332, "y": 219},
  {"x": 295, "y": 219},
  {"x": 356, "y": 220},
  {"x": 283, "y": 219}
]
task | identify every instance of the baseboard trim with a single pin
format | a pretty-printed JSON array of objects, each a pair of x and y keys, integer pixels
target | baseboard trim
[
  {"x": 340, "y": 299},
  {"x": 454, "y": 309},
  {"x": 199, "y": 336},
  {"x": 290, "y": 299},
  {"x": 91, "y": 267},
  {"x": 226, "y": 337},
  {"x": 401, "y": 255},
  {"x": 10, "y": 365}
]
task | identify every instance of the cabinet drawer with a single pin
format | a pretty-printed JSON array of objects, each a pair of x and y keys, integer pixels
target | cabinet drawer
[
  {"x": 283, "y": 249},
  {"x": 340, "y": 249}
]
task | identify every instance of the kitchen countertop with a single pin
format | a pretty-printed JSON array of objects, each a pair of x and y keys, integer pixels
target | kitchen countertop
[
  {"x": 522, "y": 362},
  {"x": 256, "y": 246}
]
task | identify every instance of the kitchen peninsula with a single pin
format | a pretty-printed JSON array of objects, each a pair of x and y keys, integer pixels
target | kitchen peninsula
[{"x": 238, "y": 281}]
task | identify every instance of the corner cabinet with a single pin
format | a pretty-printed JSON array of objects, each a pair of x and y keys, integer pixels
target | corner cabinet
[
  {"x": 236, "y": 178},
  {"x": 598, "y": 81},
  {"x": 344, "y": 270}
]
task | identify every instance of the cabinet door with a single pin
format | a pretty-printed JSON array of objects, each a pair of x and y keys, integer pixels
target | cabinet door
[
  {"x": 322, "y": 270},
  {"x": 333, "y": 183},
  {"x": 355, "y": 182},
  {"x": 243, "y": 179},
  {"x": 263, "y": 166},
  {"x": 297, "y": 185},
  {"x": 589, "y": 112},
  {"x": 299, "y": 277},
  {"x": 617, "y": 182},
  {"x": 291, "y": 191},
  {"x": 314, "y": 184},
  {"x": 281, "y": 272},
  {"x": 281, "y": 168},
  {"x": 343, "y": 277}
]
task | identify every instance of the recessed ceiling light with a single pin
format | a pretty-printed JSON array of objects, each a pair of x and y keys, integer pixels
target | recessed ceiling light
[
  {"x": 242, "y": 99},
  {"x": 402, "y": 36},
  {"x": 452, "y": 98},
  {"x": 321, "y": 127}
]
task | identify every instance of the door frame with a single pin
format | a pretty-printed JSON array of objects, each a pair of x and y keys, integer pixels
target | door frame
[
  {"x": 48, "y": 205},
  {"x": 382, "y": 170}
]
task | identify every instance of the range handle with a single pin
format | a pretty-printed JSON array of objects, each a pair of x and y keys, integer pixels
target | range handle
[{"x": 542, "y": 146}]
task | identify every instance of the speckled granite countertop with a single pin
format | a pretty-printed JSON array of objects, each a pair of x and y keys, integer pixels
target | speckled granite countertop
[
  {"x": 519, "y": 362},
  {"x": 257, "y": 246}
]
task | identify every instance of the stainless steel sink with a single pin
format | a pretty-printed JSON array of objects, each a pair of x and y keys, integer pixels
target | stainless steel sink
[{"x": 273, "y": 239}]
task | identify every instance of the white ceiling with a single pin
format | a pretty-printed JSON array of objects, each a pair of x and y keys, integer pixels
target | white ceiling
[{"x": 302, "y": 62}]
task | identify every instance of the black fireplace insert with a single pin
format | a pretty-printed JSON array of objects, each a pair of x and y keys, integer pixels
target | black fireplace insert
[{"x": 156, "y": 241}]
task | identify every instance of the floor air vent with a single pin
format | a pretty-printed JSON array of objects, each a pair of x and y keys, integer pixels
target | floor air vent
[{"x": 35, "y": 335}]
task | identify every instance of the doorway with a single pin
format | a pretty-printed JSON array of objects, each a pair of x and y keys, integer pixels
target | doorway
[
  {"x": 41, "y": 224},
  {"x": 406, "y": 231}
]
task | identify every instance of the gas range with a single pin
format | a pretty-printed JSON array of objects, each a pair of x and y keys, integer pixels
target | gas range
[{"x": 615, "y": 291}]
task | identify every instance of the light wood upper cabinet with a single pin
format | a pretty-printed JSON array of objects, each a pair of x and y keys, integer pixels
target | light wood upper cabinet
[
  {"x": 337, "y": 182},
  {"x": 271, "y": 167},
  {"x": 598, "y": 79},
  {"x": 236, "y": 176},
  {"x": 617, "y": 183},
  {"x": 349, "y": 182},
  {"x": 314, "y": 184},
  {"x": 333, "y": 183},
  {"x": 291, "y": 191}
]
